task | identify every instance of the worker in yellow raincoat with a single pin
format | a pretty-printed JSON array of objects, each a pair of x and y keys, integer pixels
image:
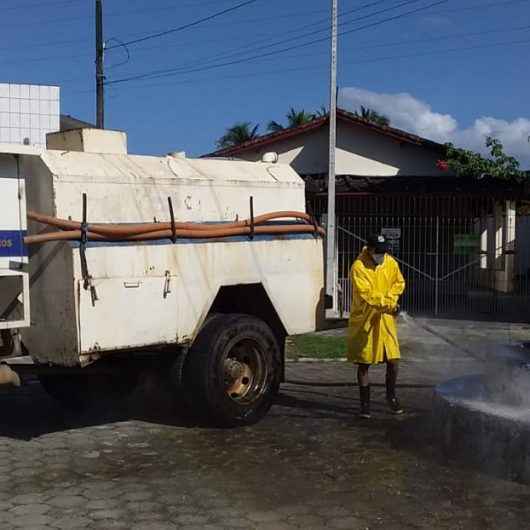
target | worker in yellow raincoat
[{"x": 372, "y": 333}]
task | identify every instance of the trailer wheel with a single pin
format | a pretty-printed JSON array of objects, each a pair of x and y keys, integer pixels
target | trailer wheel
[
  {"x": 233, "y": 370},
  {"x": 79, "y": 392}
]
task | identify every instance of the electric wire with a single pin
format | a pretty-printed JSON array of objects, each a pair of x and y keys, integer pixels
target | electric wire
[
  {"x": 188, "y": 25},
  {"x": 173, "y": 71},
  {"x": 254, "y": 46},
  {"x": 320, "y": 67}
]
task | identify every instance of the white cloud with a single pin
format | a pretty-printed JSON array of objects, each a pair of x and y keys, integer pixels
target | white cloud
[{"x": 413, "y": 115}]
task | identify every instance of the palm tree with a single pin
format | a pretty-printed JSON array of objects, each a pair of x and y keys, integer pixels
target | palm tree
[
  {"x": 295, "y": 118},
  {"x": 239, "y": 133},
  {"x": 322, "y": 112},
  {"x": 373, "y": 116},
  {"x": 274, "y": 126}
]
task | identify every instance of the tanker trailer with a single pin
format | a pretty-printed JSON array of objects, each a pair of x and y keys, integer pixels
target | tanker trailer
[{"x": 203, "y": 266}]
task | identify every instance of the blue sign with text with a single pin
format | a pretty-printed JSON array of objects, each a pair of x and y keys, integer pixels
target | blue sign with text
[{"x": 12, "y": 243}]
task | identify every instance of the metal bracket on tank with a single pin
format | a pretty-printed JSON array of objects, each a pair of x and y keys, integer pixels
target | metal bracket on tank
[
  {"x": 172, "y": 215},
  {"x": 251, "y": 234},
  {"x": 87, "y": 279}
]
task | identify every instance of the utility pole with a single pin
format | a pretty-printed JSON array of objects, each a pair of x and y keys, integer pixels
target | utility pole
[
  {"x": 100, "y": 76},
  {"x": 331, "y": 288}
]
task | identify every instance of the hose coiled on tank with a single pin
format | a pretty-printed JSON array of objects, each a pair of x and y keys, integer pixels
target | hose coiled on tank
[{"x": 263, "y": 224}]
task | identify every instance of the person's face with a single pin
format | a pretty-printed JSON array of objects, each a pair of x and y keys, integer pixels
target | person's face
[{"x": 377, "y": 257}]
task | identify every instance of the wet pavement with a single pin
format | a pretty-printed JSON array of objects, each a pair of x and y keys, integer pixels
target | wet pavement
[{"x": 310, "y": 464}]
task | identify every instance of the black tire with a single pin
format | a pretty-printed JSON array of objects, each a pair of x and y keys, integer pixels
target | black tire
[
  {"x": 80, "y": 392},
  {"x": 248, "y": 349}
]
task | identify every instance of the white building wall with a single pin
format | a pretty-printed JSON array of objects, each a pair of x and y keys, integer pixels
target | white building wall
[
  {"x": 28, "y": 111},
  {"x": 360, "y": 151}
]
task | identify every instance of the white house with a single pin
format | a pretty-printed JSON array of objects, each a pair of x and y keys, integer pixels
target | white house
[
  {"x": 364, "y": 149},
  {"x": 459, "y": 240}
]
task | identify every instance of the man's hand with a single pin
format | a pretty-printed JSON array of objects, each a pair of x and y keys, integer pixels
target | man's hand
[{"x": 391, "y": 310}]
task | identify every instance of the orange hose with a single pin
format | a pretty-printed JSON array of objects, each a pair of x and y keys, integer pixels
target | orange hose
[
  {"x": 148, "y": 231},
  {"x": 119, "y": 230}
]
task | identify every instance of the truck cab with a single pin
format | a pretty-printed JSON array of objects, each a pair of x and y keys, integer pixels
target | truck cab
[{"x": 14, "y": 279}]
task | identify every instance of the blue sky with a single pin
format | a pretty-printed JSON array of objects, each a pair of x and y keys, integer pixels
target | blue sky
[{"x": 443, "y": 72}]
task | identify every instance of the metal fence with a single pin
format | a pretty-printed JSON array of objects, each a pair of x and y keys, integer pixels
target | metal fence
[{"x": 457, "y": 259}]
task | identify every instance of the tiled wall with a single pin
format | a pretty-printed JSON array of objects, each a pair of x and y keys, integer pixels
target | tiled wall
[{"x": 28, "y": 111}]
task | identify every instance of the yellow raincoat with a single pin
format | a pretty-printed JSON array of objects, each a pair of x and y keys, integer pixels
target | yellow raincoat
[{"x": 372, "y": 331}]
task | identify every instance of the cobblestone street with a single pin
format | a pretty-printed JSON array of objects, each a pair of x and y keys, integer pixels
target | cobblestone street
[{"x": 310, "y": 464}]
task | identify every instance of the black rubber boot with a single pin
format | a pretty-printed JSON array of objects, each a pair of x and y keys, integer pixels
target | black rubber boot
[
  {"x": 391, "y": 398},
  {"x": 364, "y": 392}
]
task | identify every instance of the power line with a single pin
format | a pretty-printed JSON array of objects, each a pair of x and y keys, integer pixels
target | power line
[
  {"x": 238, "y": 51},
  {"x": 479, "y": 6},
  {"x": 320, "y": 67},
  {"x": 173, "y": 71},
  {"x": 444, "y": 37},
  {"x": 254, "y": 20},
  {"x": 275, "y": 18},
  {"x": 189, "y": 25},
  {"x": 68, "y": 43},
  {"x": 357, "y": 47},
  {"x": 227, "y": 55},
  {"x": 117, "y": 13}
]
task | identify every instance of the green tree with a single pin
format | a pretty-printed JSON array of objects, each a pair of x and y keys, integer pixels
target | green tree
[
  {"x": 295, "y": 118},
  {"x": 466, "y": 163},
  {"x": 274, "y": 126},
  {"x": 373, "y": 116},
  {"x": 239, "y": 133},
  {"x": 322, "y": 112}
]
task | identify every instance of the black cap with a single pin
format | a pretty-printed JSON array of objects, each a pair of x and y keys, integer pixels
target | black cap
[{"x": 378, "y": 243}]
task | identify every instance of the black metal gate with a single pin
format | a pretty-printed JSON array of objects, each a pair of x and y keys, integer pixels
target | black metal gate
[{"x": 462, "y": 257}]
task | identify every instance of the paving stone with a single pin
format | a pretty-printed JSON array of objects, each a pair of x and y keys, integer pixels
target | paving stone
[
  {"x": 101, "y": 504},
  {"x": 188, "y": 519},
  {"x": 110, "y": 524},
  {"x": 277, "y": 525},
  {"x": 332, "y": 511},
  {"x": 294, "y": 509},
  {"x": 149, "y": 516},
  {"x": 108, "y": 514},
  {"x": 307, "y": 520},
  {"x": 29, "y": 498},
  {"x": 65, "y": 523},
  {"x": 29, "y": 509},
  {"x": 101, "y": 494},
  {"x": 153, "y": 525},
  {"x": 67, "y": 501},
  {"x": 143, "y": 506},
  {"x": 263, "y": 517},
  {"x": 346, "y": 523},
  {"x": 31, "y": 520},
  {"x": 137, "y": 496},
  {"x": 235, "y": 523}
]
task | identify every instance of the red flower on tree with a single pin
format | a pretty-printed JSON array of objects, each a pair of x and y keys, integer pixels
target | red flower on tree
[{"x": 442, "y": 165}]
